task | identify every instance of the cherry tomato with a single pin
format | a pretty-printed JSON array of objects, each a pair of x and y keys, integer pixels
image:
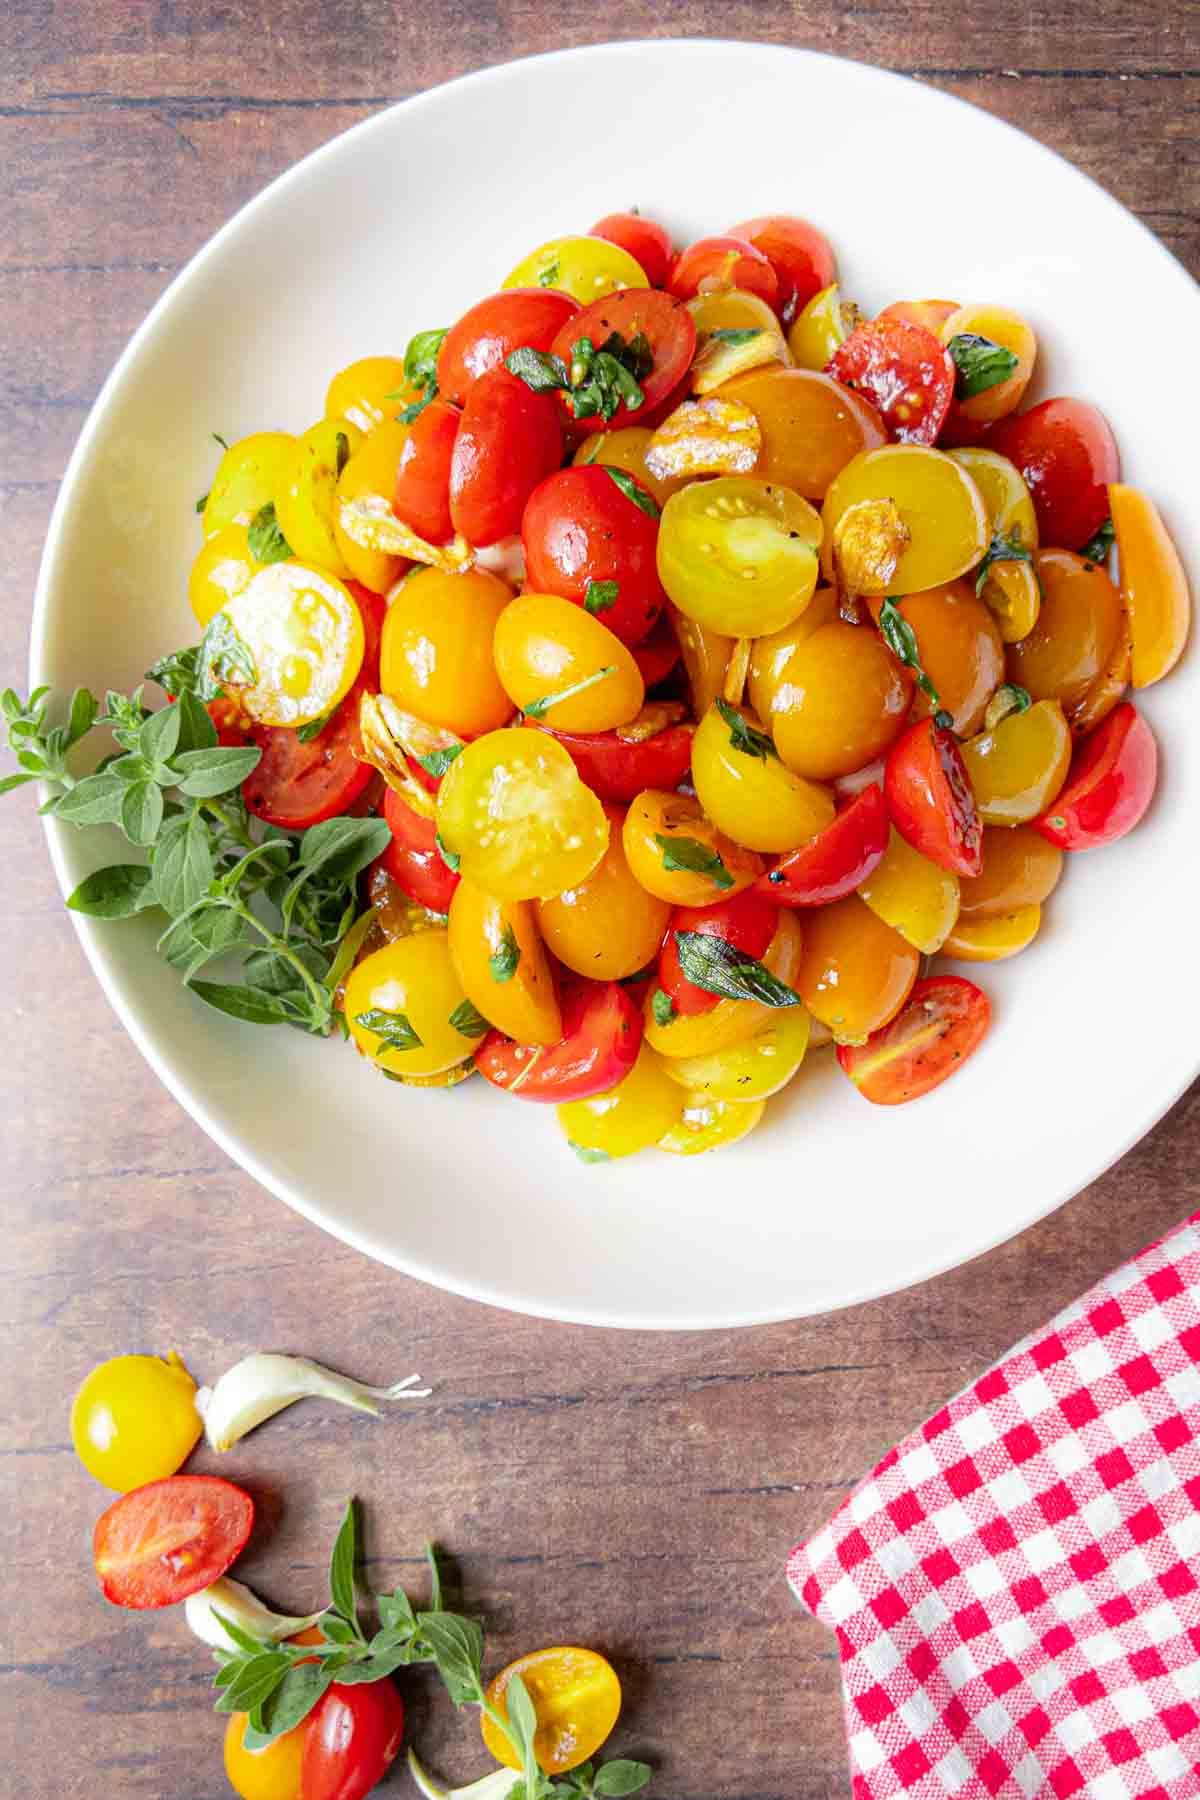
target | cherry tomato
[
  {"x": 811, "y": 425},
  {"x": 436, "y": 654},
  {"x": 272, "y": 1773},
  {"x": 619, "y": 768},
  {"x": 648, "y": 242},
  {"x": 912, "y": 895},
  {"x": 751, "y": 1070},
  {"x": 708, "y": 1124},
  {"x": 368, "y": 392},
  {"x": 297, "y": 784},
  {"x": 421, "y": 496},
  {"x": 961, "y": 651},
  {"x": 626, "y": 449},
  {"x": 586, "y": 540},
  {"x": 504, "y": 970},
  {"x": 904, "y": 371},
  {"x": 769, "y": 682},
  {"x": 1018, "y": 767},
  {"x": 746, "y": 790},
  {"x": 508, "y": 440},
  {"x": 607, "y": 926},
  {"x": 902, "y": 520},
  {"x": 1077, "y": 629},
  {"x": 587, "y": 268},
  {"x": 1109, "y": 785},
  {"x": 669, "y": 330},
  {"x": 845, "y": 700},
  {"x": 305, "y": 506},
  {"x": 735, "y": 333},
  {"x": 514, "y": 809},
  {"x": 1066, "y": 451},
  {"x": 134, "y": 1420},
  {"x": 723, "y": 262},
  {"x": 1154, "y": 586},
  {"x": 168, "y": 1539},
  {"x": 738, "y": 555},
  {"x": 929, "y": 798},
  {"x": 855, "y": 972},
  {"x": 404, "y": 1007},
  {"x": 729, "y": 1022},
  {"x": 658, "y": 653},
  {"x": 800, "y": 255},
  {"x": 1010, "y": 332},
  {"x": 371, "y": 470},
  {"x": 679, "y": 855},
  {"x": 1108, "y": 689},
  {"x": 413, "y": 860},
  {"x": 224, "y": 565},
  {"x": 351, "y": 1739},
  {"x": 1019, "y": 869},
  {"x": 993, "y": 939},
  {"x": 249, "y": 474},
  {"x": 945, "y": 1020},
  {"x": 562, "y": 663},
  {"x": 931, "y": 314},
  {"x": 602, "y": 1033},
  {"x": 747, "y": 922},
  {"x": 834, "y": 862},
  {"x": 493, "y": 328},
  {"x": 631, "y": 1116},
  {"x": 821, "y": 327},
  {"x": 303, "y": 634},
  {"x": 1010, "y": 586}
]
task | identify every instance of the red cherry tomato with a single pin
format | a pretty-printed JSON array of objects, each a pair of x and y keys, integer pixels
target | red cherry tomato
[
  {"x": 372, "y": 609},
  {"x": 668, "y": 328},
  {"x": 726, "y": 261},
  {"x": 1109, "y": 785},
  {"x": 658, "y": 654},
  {"x": 800, "y": 255},
  {"x": 943, "y": 1020},
  {"x": 509, "y": 440},
  {"x": 929, "y": 798},
  {"x": 227, "y": 716},
  {"x": 618, "y": 770},
  {"x": 169, "y": 1539},
  {"x": 581, "y": 530},
  {"x": 747, "y": 921},
  {"x": 298, "y": 784},
  {"x": 422, "y": 493},
  {"x": 648, "y": 242},
  {"x": 836, "y": 861},
  {"x": 1067, "y": 453},
  {"x": 494, "y": 328},
  {"x": 904, "y": 371},
  {"x": 351, "y": 1739},
  {"x": 602, "y": 1033},
  {"x": 413, "y": 860}
]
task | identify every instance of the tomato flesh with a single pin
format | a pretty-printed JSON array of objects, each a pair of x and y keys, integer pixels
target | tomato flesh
[
  {"x": 836, "y": 861},
  {"x": 724, "y": 262},
  {"x": 160, "y": 1543},
  {"x": 413, "y": 859},
  {"x": 929, "y": 798},
  {"x": 1067, "y": 454},
  {"x": 943, "y": 1021},
  {"x": 1109, "y": 784},
  {"x": 297, "y": 784},
  {"x": 602, "y": 1034},
  {"x": 904, "y": 371},
  {"x": 669, "y": 330},
  {"x": 583, "y": 536},
  {"x": 618, "y": 769},
  {"x": 508, "y": 440},
  {"x": 351, "y": 1740},
  {"x": 493, "y": 329},
  {"x": 648, "y": 242},
  {"x": 747, "y": 921}
]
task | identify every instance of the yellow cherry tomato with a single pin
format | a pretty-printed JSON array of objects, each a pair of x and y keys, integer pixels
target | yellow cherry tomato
[
  {"x": 371, "y": 470},
  {"x": 498, "y": 957},
  {"x": 993, "y": 939},
  {"x": 404, "y": 1006},
  {"x": 1154, "y": 585},
  {"x": 744, "y": 788},
  {"x": 855, "y": 972},
  {"x": 912, "y": 895},
  {"x": 435, "y": 656},
  {"x": 821, "y": 327},
  {"x": 222, "y": 569},
  {"x": 738, "y": 554},
  {"x": 369, "y": 392},
  {"x": 629, "y": 1117},
  {"x": 608, "y": 926},
  {"x": 303, "y": 636},
  {"x": 679, "y": 855},
  {"x": 513, "y": 808},
  {"x": 577, "y": 1699},
  {"x": 1017, "y": 769},
  {"x": 248, "y": 476},
  {"x": 626, "y": 449},
  {"x": 1020, "y": 869},
  {"x": 769, "y": 686},
  {"x": 272, "y": 1773},
  {"x": 587, "y": 268},
  {"x": 1008, "y": 329},
  {"x": 559, "y": 663},
  {"x": 811, "y": 425},
  {"x": 729, "y": 1022},
  {"x": 847, "y": 698},
  {"x": 305, "y": 504},
  {"x": 1010, "y": 590},
  {"x": 1078, "y": 629},
  {"x": 927, "y": 509},
  {"x": 752, "y": 1070},
  {"x": 134, "y": 1420},
  {"x": 706, "y": 656},
  {"x": 708, "y": 1124}
]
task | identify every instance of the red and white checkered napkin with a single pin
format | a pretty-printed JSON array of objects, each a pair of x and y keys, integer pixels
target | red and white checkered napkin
[{"x": 1016, "y": 1588}]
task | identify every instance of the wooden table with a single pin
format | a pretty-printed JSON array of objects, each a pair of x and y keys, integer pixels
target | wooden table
[{"x": 633, "y": 1492}]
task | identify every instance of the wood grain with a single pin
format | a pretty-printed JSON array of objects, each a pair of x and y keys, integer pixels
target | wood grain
[{"x": 631, "y": 1491}]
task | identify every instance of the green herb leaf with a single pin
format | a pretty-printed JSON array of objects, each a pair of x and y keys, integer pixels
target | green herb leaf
[
  {"x": 114, "y": 893},
  {"x": 451, "y": 858},
  {"x": 205, "y": 774},
  {"x": 291, "y": 1702},
  {"x": 537, "y": 369},
  {"x": 721, "y": 968},
  {"x": 81, "y": 715},
  {"x": 183, "y": 863},
  {"x": 247, "y": 1004},
  {"x": 602, "y": 379},
  {"x": 1098, "y": 548},
  {"x": 537, "y": 709},
  {"x": 662, "y": 1006},
  {"x": 456, "y": 1644},
  {"x": 218, "y": 439},
  {"x": 504, "y": 959},
  {"x": 901, "y": 640},
  {"x": 141, "y": 812},
  {"x": 522, "y": 1729},
  {"x": 266, "y": 541},
  {"x": 601, "y": 596},
  {"x": 396, "y": 1612},
  {"x": 688, "y": 854},
  {"x": 223, "y": 657},
  {"x": 420, "y": 359},
  {"x": 177, "y": 673},
  {"x": 1003, "y": 548},
  {"x": 342, "y": 848},
  {"x": 314, "y": 728},
  {"x": 468, "y": 1020},
  {"x": 1007, "y": 699},
  {"x": 622, "y": 1776},
  {"x": 196, "y": 729},
  {"x": 159, "y": 736},
  {"x": 981, "y": 364},
  {"x": 252, "y": 1645},
  {"x": 202, "y": 502},
  {"x": 438, "y": 761},
  {"x": 743, "y": 736},
  {"x": 632, "y": 491},
  {"x": 735, "y": 334},
  {"x": 256, "y": 1678},
  {"x": 549, "y": 275},
  {"x": 587, "y": 1155},
  {"x": 435, "y": 1578},
  {"x": 392, "y": 1028},
  {"x": 344, "y": 1558},
  {"x": 10, "y": 782}
]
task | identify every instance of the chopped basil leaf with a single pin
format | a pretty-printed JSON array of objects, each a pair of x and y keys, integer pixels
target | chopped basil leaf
[
  {"x": 662, "y": 1006},
  {"x": 601, "y": 596},
  {"x": 901, "y": 640},
  {"x": 721, "y": 968},
  {"x": 392, "y": 1029},
  {"x": 981, "y": 364},
  {"x": 266, "y": 542},
  {"x": 598, "y": 380},
  {"x": 1097, "y": 548},
  {"x": 314, "y": 728},
  {"x": 537, "y": 369},
  {"x": 631, "y": 490},
  {"x": 467, "y": 1019},
  {"x": 420, "y": 359},
  {"x": 1001, "y": 549},
  {"x": 438, "y": 761},
  {"x": 341, "y": 452},
  {"x": 218, "y": 439},
  {"x": 201, "y": 503},
  {"x": 735, "y": 334},
  {"x": 549, "y": 275},
  {"x": 588, "y": 1156},
  {"x": 743, "y": 736},
  {"x": 451, "y": 858},
  {"x": 694, "y": 858},
  {"x": 409, "y": 414},
  {"x": 503, "y": 961}
]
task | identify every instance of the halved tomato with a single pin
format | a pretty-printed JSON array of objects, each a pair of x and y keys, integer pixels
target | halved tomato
[
  {"x": 298, "y": 784},
  {"x": 800, "y": 255},
  {"x": 421, "y": 496},
  {"x": 169, "y": 1539},
  {"x": 413, "y": 859},
  {"x": 658, "y": 655},
  {"x": 670, "y": 334},
  {"x": 904, "y": 371},
  {"x": 836, "y": 861},
  {"x": 509, "y": 439},
  {"x": 746, "y": 921},
  {"x": 1109, "y": 784},
  {"x": 602, "y": 1034},
  {"x": 943, "y": 1020},
  {"x": 725, "y": 261},
  {"x": 929, "y": 798},
  {"x": 617, "y": 768},
  {"x": 1067, "y": 454}
]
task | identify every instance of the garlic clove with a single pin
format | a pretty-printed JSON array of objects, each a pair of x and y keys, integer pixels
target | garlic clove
[
  {"x": 261, "y": 1385},
  {"x": 237, "y": 1603},
  {"x": 489, "y": 1787}
]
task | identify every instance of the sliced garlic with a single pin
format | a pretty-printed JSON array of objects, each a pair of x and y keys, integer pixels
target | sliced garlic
[
  {"x": 655, "y": 716},
  {"x": 705, "y": 437},
  {"x": 719, "y": 359},
  {"x": 370, "y": 523},
  {"x": 235, "y": 1602},
  {"x": 387, "y": 735},
  {"x": 489, "y": 1787},
  {"x": 261, "y": 1385},
  {"x": 868, "y": 541}
]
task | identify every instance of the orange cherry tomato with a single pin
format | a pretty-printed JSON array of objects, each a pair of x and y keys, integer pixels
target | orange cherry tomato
[
  {"x": 1077, "y": 629},
  {"x": 577, "y": 1699},
  {"x": 998, "y": 325},
  {"x": 436, "y": 651},
  {"x": 961, "y": 652},
  {"x": 560, "y": 664},
  {"x": 931, "y": 315},
  {"x": 847, "y": 699},
  {"x": 607, "y": 926},
  {"x": 1154, "y": 586},
  {"x": 504, "y": 971},
  {"x": 944, "y": 1023},
  {"x": 994, "y": 939},
  {"x": 1016, "y": 769},
  {"x": 811, "y": 426},
  {"x": 272, "y": 1773},
  {"x": 679, "y": 855},
  {"x": 1019, "y": 869},
  {"x": 855, "y": 972},
  {"x": 625, "y": 449},
  {"x": 1108, "y": 689}
]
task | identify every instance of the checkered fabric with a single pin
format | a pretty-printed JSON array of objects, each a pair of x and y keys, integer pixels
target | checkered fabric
[{"x": 1016, "y": 1587}]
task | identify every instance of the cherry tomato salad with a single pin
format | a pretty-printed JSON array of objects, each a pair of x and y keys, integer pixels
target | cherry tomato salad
[{"x": 627, "y": 688}]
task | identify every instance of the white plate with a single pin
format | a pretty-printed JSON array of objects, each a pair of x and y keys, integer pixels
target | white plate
[{"x": 401, "y": 224}]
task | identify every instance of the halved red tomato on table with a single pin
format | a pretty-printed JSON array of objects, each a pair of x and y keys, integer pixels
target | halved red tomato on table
[
  {"x": 747, "y": 922},
  {"x": 904, "y": 371},
  {"x": 800, "y": 255},
  {"x": 669, "y": 332},
  {"x": 169, "y": 1539},
  {"x": 944, "y": 1019},
  {"x": 602, "y": 1033},
  {"x": 495, "y": 327},
  {"x": 619, "y": 769},
  {"x": 587, "y": 540},
  {"x": 1109, "y": 784},
  {"x": 836, "y": 861},
  {"x": 648, "y": 242},
  {"x": 509, "y": 439},
  {"x": 1067, "y": 454},
  {"x": 929, "y": 798},
  {"x": 723, "y": 262}
]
